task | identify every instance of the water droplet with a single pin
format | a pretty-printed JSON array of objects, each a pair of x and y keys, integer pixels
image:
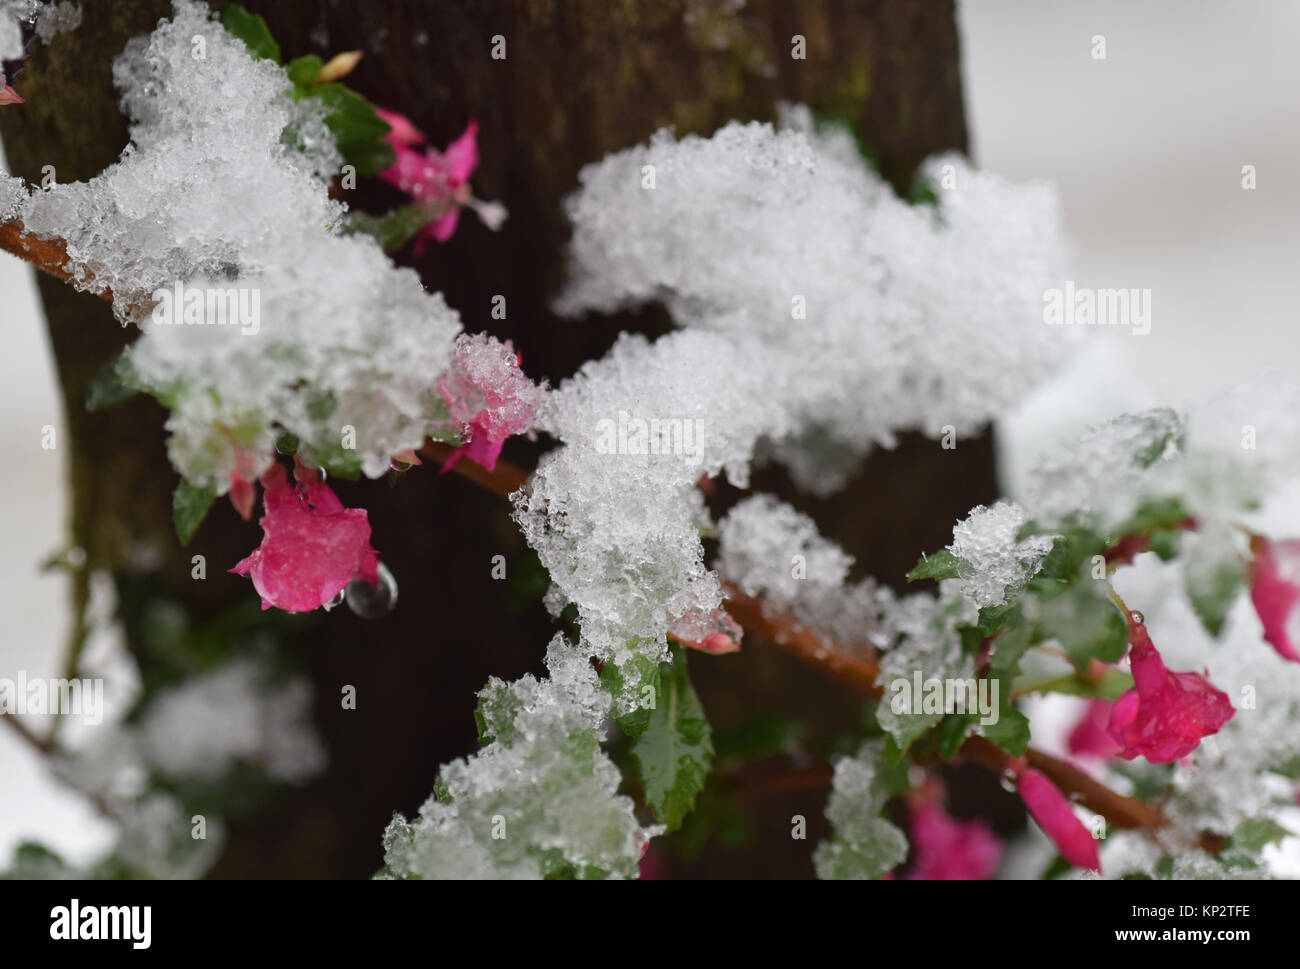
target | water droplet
[
  {"x": 372, "y": 601},
  {"x": 338, "y": 599},
  {"x": 1138, "y": 617},
  {"x": 76, "y": 556},
  {"x": 1008, "y": 782}
]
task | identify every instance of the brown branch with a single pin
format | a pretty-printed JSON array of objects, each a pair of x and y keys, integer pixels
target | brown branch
[
  {"x": 786, "y": 633},
  {"x": 47, "y": 255}
]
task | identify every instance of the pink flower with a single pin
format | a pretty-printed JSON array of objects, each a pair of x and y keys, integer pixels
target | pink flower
[
  {"x": 312, "y": 546},
  {"x": 1050, "y": 808},
  {"x": 242, "y": 495},
  {"x": 951, "y": 850},
  {"x": 404, "y": 132},
  {"x": 487, "y": 392},
  {"x": 439, "y": 180},
  {"x": 1089, "y": 737},
  {"x": 7, "y": 94},
  {"x": 1167, "y": 714},
  {"x": 1275, "y": 590},
  {"x": 716, "y": 634}
]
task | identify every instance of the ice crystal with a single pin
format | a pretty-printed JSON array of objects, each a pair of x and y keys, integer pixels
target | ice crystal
[{"x": 993, "y": 562}]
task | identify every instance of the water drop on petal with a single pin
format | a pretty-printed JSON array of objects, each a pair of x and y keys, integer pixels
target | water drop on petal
[
  {"x": 372, "y": 601},
  {"x": 337, "y": 600}
]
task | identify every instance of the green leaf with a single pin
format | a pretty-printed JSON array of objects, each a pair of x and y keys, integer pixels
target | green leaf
[
  {"x": 675, "y": 750},
  {"x": 1010, "y": 731},
  {"x": 1153, "y": 514},
  {"x": 614, "y": 678},
  {"x": 1085, "y": 622},
  {"x": 1255, "y": 834},
  {"x": 941, "y": 565},
  {"x": 1212, "y": 588},
  {"x": 303, "y": 70},
  {"x": 190, "y": 504},
  {"x": 904, "y": 729},
  {"x": 993, "y": 618},
  {"x": 1289, "y": 768},
  {"x": 1061, "y": 566},
  {"x": 1006, "y": 650},
  {"x": 951, "y": 733},
  {"x": 358, "y": 131},
  {"x": 114, "y": 383},
  {"x": 252, "y": 30},
  {"x": 392, "y": 229},
  {"x": 1166, "y": 542}
]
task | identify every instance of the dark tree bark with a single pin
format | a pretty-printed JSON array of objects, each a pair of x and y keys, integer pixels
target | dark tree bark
[{"x": 581, "y": 78}]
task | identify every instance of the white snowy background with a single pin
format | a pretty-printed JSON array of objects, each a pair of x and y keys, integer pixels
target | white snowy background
[{"x": 1146, "y": 148}]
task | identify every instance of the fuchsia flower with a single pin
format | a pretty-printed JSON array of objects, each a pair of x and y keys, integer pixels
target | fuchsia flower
[
  {"x": 7, "y": 94},
  {"x": 1054, "y": 814},
  {"x": 1167, "y": 714},
  {"x": 439, "y": 180},
  {"x": 1089, "y": 737},
  {"x": 312, "y": 546},
  {"x": 487, "y": 392},
  {"x": 1275, "y": 590},
  {"x": 951, "y": 850}
]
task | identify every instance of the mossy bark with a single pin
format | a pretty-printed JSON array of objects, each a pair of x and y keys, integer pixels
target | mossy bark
[{"x": 580, "y": 78}]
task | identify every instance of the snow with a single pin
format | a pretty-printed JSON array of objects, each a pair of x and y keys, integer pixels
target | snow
[
  {"x": 907, "y": 317},
  {"x": 994, "y": 562},
  {"x": 201, "y": 727},
  {"x": 539, "y": 792},
  {"x": 864, "y": 845},
  {"x": 772, "y": 551},
  {"x": 896, "y": 297},
  {"x": 224, "y": 186},
  {"x": 57, "y": 17}
]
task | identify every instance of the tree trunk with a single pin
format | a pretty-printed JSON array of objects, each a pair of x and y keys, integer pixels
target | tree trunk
[{"x": 581, "y": 78}]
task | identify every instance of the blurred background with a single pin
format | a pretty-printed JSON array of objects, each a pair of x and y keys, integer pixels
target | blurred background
[{"x": 1146, "y": 148}]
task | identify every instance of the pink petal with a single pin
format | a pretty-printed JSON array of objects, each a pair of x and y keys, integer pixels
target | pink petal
[
  {"x": 242, "y": 495},
  {"x": 1275, "y": 591},
  {"x": 9, "y": 96},
  {"x": 461, "y": 156},
  {"x": 481, "y": 449},
  {"x": 716, "y": 634},
  {"x": 312, "y": 546},
  {"x": 1050, "y": 808},
  {"x": 1089, "y": 736},
  {"x": 403, "y": 131},
  {"x": 443, "y": 228},
  {"x": 411, "y": 172},
  {"x": 951, "y": 850},
  {"x": 1167, "y": 714}
]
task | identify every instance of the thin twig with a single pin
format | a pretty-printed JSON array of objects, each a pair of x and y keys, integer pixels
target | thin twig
[{"x": 42, "y": 745}]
